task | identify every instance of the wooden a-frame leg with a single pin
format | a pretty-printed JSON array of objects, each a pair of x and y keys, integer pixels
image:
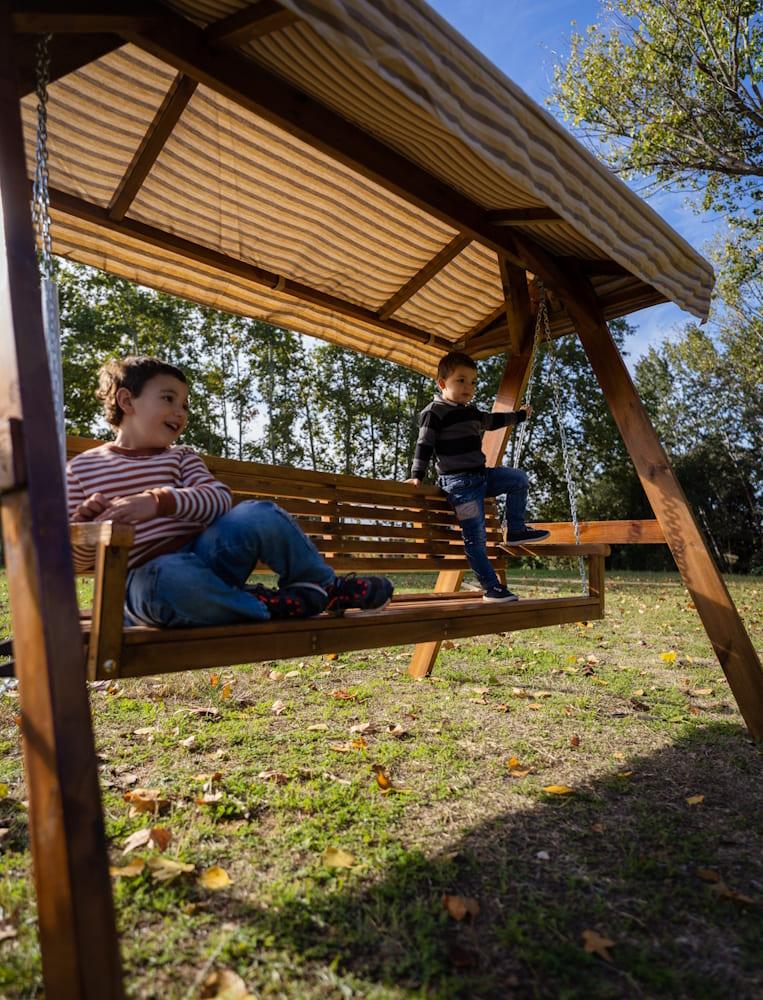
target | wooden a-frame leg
[
  {"x": 520, "y": 319},
  {"x": 425, "y": 653},
  {"x": 80, "y": 957},
  {"x": 700, "y": 574}
]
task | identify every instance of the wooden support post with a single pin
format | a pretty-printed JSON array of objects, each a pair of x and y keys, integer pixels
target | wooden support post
[
  {"x": 425, "y": 653},
  {"x": 701, "y": 576},
  {"x": 80, "y": 957},
  {"x": 510, "y": 391}
]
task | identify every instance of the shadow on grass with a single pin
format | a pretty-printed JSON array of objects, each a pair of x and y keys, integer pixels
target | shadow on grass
[{"x": 623, "y": 854}]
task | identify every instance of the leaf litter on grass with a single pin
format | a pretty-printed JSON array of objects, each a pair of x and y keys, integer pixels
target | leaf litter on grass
[{"x": 615, "y": 848}]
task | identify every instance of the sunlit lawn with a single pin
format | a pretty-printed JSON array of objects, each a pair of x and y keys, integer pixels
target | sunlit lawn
[{"x": 657, "y": 849}]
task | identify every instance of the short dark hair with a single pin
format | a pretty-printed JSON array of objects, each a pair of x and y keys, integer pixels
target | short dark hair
[
  {"x": 130, "y": 373},
  {"x": 453, "y": 360}
]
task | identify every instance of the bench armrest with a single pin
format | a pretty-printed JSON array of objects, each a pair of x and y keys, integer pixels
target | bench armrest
[
  {"x": 93, "y": 533},
  {"x": 552, "y": 549}
]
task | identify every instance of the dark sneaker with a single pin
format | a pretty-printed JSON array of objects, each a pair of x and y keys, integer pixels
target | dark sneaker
[
  {"x": 499, "y": 595},
  {"x": 526, "y": 536},
  {"x": 301, "y": 600},
  {"x": 364, "y": 592}
]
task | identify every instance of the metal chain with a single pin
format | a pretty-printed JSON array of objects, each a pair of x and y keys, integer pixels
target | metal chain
[
  {"x": 571, "y": 492},
  {"x": 543, "y": 333},
  {"x": 41, "y": 219},
  {"x": 522, "y": 429},
  {"x": 41, "y": 198}
]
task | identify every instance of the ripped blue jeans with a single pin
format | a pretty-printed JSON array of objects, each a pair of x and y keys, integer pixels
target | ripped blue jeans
[
  {"x": 466, "y": 492},
  {"x": 203, "y": 582}
]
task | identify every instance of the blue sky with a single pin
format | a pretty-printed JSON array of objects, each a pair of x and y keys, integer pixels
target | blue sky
[{"x": 525, "y": 40}]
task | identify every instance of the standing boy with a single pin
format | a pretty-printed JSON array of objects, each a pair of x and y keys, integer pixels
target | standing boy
[
  {"x": 451, "y": 429},
  {"x": 193, "y": 554}
]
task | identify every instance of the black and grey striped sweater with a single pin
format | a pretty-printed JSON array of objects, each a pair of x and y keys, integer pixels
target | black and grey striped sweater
[{"x": 453, "y": 433}]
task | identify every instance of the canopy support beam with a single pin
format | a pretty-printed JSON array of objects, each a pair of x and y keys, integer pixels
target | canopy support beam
[
  {"x": 79, "y": 209},
  {"x": 427, "y": 272},
  {"x": 80, "y": 955},
  {"x": 158, "y": 132},
  {"x": 251, "y": 22}
]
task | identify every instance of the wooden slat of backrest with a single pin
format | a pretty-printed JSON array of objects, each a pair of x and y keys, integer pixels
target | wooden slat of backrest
[
  {"x": 352, "y": 516},
  {"x": 362, "y": 546}
]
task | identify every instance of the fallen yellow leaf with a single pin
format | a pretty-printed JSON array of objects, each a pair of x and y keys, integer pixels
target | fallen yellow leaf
[
  {"x": 595, "y": 944},
  {"x": 225, "y": 691},
  {"x": 708, "y": 874},
  {"x": 145, "y": 800},
  {"x": 695, "y": 800},
  {"x": 165, "y": 869},
  {"x": 738, "y": 897},
  {"x": 135, "y": 867},
  {"x": 381, "y": 778},
  {"x": 460, "y": 907},
  {"x": 225, "y": 985},
  {"x": 669, "y": 657},
  {"x": 558, "y": 789},
  {"x": 335, "y": 857},
  {"x": 215, "y": 878}
]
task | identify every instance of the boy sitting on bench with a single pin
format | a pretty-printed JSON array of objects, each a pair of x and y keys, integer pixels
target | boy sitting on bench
[{"x": 193, "y": 554}]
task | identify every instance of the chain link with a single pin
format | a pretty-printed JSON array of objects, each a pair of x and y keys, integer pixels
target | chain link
[
  {"x": 41, "y": 198},
  {"x": 41, "y": 219}
]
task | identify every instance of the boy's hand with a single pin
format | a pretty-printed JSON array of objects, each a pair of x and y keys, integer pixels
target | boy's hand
[
  {"x": 89, "y": 509},
  {"x": 131, "y": 509},
  {"x": 413, "y": 482},
  {"x": 528, "y": 411}
]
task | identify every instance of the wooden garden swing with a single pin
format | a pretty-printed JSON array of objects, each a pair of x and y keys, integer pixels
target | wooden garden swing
[{"x": 346, "y": 170}]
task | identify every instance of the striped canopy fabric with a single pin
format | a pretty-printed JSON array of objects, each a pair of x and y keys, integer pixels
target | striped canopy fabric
[{"x": 350, "y": 170}]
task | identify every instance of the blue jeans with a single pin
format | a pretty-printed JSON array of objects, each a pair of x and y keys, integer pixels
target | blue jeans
[
  {"x": 202, "y": 583},
  {"x": 466, "y": 492}
]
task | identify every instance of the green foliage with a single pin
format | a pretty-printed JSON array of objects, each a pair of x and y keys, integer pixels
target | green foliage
[
  {"x": 704, "y": 399},
  {"x": 671, "y": 90}
]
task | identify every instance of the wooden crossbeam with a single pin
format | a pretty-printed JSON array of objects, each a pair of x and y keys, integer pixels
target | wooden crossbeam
[
  {"x": 251, "y": 22},
  {"x": 56, "y": 18},
  {"x": 631, "y": 532},
  {"x": 427, "y": 272},
  {"x": 175, "y": 101},
  {"x": 68, "y": 53},
  {"x": 78, "y": 208},
  {"x": 516, "y": 216},
  {"x": 256, "y": 88}
]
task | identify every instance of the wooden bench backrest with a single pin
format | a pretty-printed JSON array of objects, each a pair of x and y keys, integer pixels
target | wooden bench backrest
[{"x": 356, "y": 523}]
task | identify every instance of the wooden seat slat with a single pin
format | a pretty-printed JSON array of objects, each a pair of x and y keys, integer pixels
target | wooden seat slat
[{"x": 150, "y": 651}]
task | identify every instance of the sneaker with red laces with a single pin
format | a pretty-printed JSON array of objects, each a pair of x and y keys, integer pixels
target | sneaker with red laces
[
  {"x": 300, "y": 600},
  {"x": 364, "y": 592}
]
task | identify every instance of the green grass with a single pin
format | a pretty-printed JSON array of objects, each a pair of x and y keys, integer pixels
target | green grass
[{"x": 594, "y": 708}]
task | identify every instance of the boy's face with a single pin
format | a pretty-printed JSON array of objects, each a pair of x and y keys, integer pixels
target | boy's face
[
  {"x": 459, "y": 386},
  {"x": 157, "y": 417}
]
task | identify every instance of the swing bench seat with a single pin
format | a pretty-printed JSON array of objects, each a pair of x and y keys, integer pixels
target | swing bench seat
[{"x": 359, "y": 525}]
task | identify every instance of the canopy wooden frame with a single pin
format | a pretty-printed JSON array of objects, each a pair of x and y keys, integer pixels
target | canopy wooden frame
[{"x": 548, "y": 237}]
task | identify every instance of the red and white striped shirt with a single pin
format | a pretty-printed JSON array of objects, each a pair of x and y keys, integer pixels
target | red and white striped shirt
[{"x": 189, "y": 498}]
